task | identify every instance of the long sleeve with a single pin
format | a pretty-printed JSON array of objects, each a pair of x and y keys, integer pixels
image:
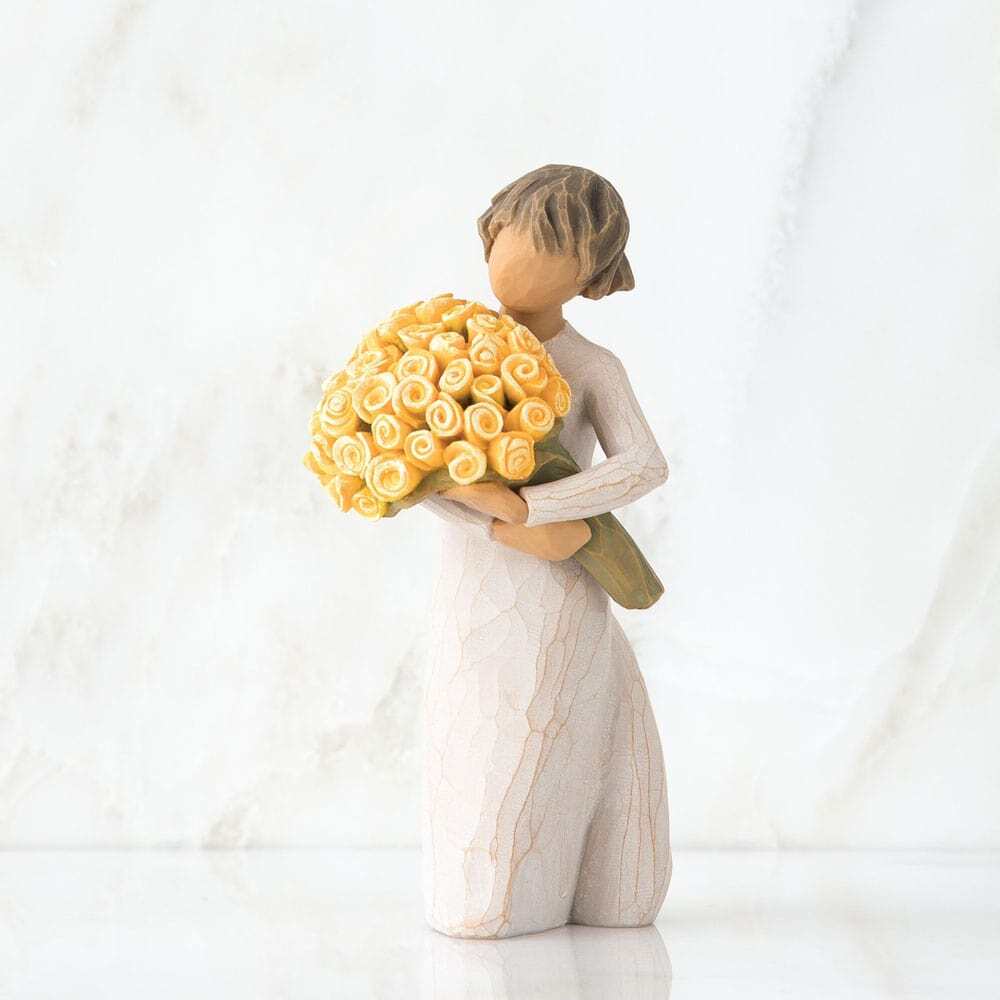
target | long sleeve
[
  {"x": 634, "y": 465},
  {"x": 456, "y": 513}
]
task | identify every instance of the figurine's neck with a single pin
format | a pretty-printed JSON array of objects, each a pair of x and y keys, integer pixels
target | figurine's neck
[{"x": 544, "y": 324}]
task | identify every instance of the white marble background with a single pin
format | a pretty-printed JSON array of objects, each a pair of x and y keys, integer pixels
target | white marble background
[{"x": 202, "y": 206}]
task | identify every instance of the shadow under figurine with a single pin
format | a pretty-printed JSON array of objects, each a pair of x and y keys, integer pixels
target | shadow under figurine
[{"x": 545, "y": 797}]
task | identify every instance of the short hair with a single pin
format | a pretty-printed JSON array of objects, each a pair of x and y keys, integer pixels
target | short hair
[{"x": 567, "y": 209}]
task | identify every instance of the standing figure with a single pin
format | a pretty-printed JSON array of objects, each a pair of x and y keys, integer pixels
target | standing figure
[{"x": 545, "y": 798}]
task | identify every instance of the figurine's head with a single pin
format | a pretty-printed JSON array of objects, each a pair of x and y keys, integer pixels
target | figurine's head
[{"x": 555, "y": 233}]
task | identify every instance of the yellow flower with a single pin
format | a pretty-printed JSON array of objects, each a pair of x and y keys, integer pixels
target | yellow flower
[
  {"x": 336, "y": 380},
  {"x": 466, "y": 463},
  {"x": 483, "y": 422},
  {"x": 486, "y": 352},
  {"x": 456, "y": 317},
  {"x": 423, "y": 450},
  {"x": 488, "y": 323},
  {"x": 388, "y": 432},
  {"x": 411, "y": 397},
  {"x": 445, "y": 418},
  {"x": 511, "y": 455},
  {"x": 428, "y": 388},
  {"x": 373, "y": 395},
  {"x": 419, "y": 334},
  {"x": 457, "y": 378},
  {"x": 448, "y": 346},
  {"x": 373, "y": 361},
  {"x": 488, "y": 388},
  {"x": 352, "y": 453},
  {"x": 522, "y": 375},
  {"x": 389, "y": 476},
  {"x": 520, "y": 340},
  {"x": 558, "y": 395},
  {"x": 548, "y": 364},
  {"x": 431, "y": 310},
  {"x": 418, "y": 361},
  {"x": 318, "y": 461},
  {"x": 336, "y": 414},
  {"x": 371, "y": 341},
  {"x": 533, "y": 416},
  {"x": 368, "y": 505},
  {"x": 388, "y": 332},
  {"x": 342, "y": 488}
]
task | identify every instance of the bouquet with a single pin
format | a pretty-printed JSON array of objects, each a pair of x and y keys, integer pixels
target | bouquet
[{"x": 447, "y": 392}]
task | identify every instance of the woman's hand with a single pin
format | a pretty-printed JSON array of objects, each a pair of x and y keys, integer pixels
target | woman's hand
[
  {"x": 494, "y": 499},
  {"x": 553, "y": 542}
]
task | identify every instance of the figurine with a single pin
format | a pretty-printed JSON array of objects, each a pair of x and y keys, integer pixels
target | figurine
[{"x": 545, "y": 799}]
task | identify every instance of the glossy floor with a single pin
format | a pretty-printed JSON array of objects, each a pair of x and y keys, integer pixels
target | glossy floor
[{"x": 345, "y": 923}]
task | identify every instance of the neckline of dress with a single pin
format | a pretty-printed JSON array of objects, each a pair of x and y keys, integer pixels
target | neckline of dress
[{"x": 564, "y": 329}]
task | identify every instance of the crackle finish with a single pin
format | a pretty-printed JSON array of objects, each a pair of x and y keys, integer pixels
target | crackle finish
[{"x": 545, "y": 798}]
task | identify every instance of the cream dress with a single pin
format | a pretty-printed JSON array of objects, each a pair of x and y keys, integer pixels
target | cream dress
[{"x": 545, "y": 798}]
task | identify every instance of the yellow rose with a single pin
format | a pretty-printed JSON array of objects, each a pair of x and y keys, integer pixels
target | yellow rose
[
  {"x": 342, "y": 488},
  {"x": 381, "y": 337},
  {"x": 336, "y": 380},
  {"x": 548, "y": 364},
  {"x": 389, "y": 476},
  {"x": 422, "y": 449},
  {"x": 417, "y": 361},
  {"x": 419, "y": 334},
  {"x": 487, "y": 323},
  {"x": 411, "y": 397},
  {"x": 456, "y": 317},
  {"x": 448, "y": 346},
  {"x": 482, "y": 423},
  {"x": 533, "y": 416},
  {"x": 336, "y": 414},
  {"x": 427, "y": 388},
  {"x": 520, "y": 340},
  {"x": 389, "y": 432},
  {"x": 487, "y": 389},
  {"x": 444, "y": 418},
  {"x": 318, "y": 460},
  {"x": 466, "y": 463},
  {"x": 486, "y": 352},
  {"x": 368, "y": 505},
  {"x": 373, "y": 395},
  {"x": 373, "y": 361},
  {"x": 352, "y": 453},
  {"x": 457, "y": 378},
  {"x": 522, "y": 375},
  {"x": 431, "y": 310},
  {"x": 558, "y": 395},
  {"x": 511, "y": 455},
  {"x": 388, "y": 332}
]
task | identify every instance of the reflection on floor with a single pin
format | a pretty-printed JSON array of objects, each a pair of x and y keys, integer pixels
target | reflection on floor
[{"x": 346, "y": 923}]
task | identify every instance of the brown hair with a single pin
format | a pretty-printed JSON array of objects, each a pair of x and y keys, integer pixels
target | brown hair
[{"x": 567, "y": 209}]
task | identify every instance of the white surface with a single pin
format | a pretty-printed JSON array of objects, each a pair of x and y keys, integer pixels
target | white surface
[
  {"x": 347, "y": 924},
  {"x": 203, "y": 205}
]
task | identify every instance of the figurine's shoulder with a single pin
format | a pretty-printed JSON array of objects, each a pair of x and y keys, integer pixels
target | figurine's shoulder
[{"x": 591, "y": 360}]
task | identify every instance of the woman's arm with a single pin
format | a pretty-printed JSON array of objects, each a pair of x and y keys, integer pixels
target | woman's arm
[
  {"x": 634, "y": 464},
  {"x": 505, "y": 512},
  {"x": 473, "y": 520}
]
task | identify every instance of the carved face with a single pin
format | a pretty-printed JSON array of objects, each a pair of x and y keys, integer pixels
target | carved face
[{"x": 525, "y": 279}]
